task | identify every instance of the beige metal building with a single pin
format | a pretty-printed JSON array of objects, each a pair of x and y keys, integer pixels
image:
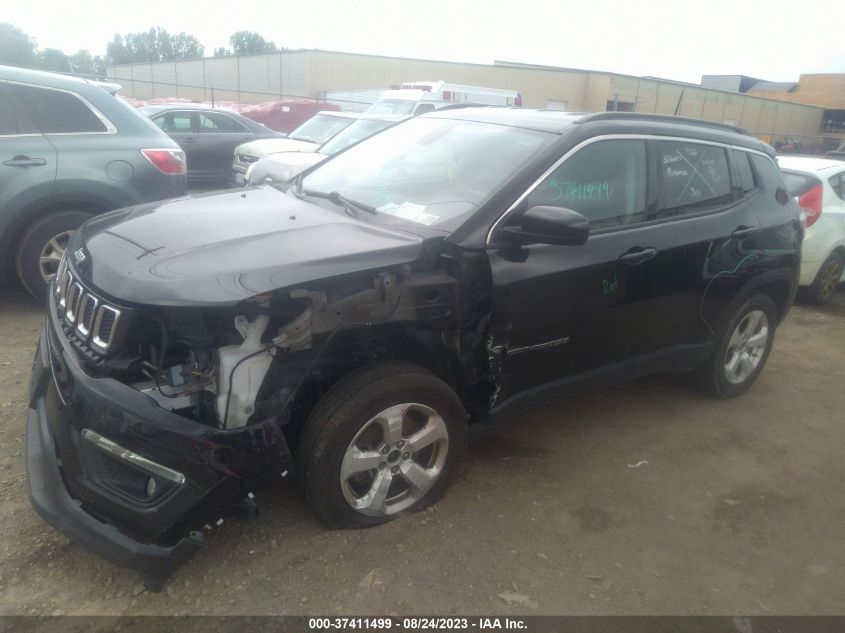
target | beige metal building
[{"x": 313, "y": 73}]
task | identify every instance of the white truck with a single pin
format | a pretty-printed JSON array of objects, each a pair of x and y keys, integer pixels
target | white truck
[{"x": 424, "y": 96}]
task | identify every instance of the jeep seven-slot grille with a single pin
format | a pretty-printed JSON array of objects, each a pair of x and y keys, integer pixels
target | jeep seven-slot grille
[{"x": 90, "y": 322}]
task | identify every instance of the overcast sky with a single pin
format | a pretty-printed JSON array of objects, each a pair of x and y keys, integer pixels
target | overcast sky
[{"x": 679, "y": 39}]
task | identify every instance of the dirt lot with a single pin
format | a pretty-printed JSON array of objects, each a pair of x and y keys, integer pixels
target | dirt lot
[{"x": 644, "y": 499}]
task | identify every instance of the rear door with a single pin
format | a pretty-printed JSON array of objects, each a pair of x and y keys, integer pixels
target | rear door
[
  {"x": 706, "y": 235},
  {"x": 219, "y": 135},
  {"x": 27, "y": 159}
]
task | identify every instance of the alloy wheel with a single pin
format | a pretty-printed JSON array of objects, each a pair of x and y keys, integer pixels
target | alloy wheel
[
  {"x": 746, "y": 347},
  {"x": 394, "y": 460},
  {"x": 51, "y": 255},
  {"x": 829, "y": 279}
]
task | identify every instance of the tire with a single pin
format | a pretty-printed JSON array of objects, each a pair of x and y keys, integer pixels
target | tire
[
  {"x": 355, "y": 411},
  {"x": 48, "y": 236},
  {"x": 824, "y": 285},
  {"x": 737, "y": 360}
]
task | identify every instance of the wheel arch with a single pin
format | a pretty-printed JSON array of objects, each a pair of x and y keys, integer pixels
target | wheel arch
[
  {"x": 365, "y": 346},
  {"x": 32, "y": 212},
  {"x": 779, "y": 286}
]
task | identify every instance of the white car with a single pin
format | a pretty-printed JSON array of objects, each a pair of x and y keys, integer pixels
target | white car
[
  {"x": 280, "y": 167},
  {"x": 819, "y": 186},
  {"x": 306, "y": 138}
]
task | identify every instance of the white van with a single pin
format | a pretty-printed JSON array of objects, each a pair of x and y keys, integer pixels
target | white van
[{"x": 424, "y": 96}]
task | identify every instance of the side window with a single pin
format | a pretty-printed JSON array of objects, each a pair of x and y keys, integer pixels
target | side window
[
  {"x": 175, "y": 122},
  {"x": 57, "y": 112},
  {"x": 746, "y": 182},
  {"x": 837, "y": 182},
  {"x": 12, "y": 120},
  {"x": 691, "y": 178},
  {"x": 605, "y": 181},
  {"x": 221, "y": 123}
]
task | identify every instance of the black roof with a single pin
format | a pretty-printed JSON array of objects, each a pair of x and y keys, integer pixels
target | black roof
[
  {"x": 543, "y": 120},
  {"x": 558, "y": 122}
]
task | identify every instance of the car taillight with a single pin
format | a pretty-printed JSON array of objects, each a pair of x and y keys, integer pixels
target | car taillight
[
  {"x": 518, "y": 101},
  {"x": 167, "y": 161},
  {"x": 811, "y": 203}
]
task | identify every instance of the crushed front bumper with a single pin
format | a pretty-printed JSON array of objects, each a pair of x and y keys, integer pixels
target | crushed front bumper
[{"x": 93, "y": 445}]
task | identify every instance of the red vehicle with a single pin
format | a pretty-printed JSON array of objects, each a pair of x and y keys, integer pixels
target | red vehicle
[{"x": 285, "y": 116}]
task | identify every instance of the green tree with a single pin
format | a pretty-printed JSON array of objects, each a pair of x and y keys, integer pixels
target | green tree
[
  {"x": 153, "y": 45},
  {"x": 54, "y": 60},
  {"x": 16, "y": 47},
  {"x": 222, "y": 52},
  {"x": 250, "y": 43},
  {"x": 84, "y": 63}
]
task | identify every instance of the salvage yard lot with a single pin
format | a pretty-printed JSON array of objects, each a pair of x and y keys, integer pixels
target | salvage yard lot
[{"x": 645, "y": 498}]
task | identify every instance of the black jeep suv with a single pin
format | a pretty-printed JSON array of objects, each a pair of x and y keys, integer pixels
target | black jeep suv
[{"x": 357, "y": 326}]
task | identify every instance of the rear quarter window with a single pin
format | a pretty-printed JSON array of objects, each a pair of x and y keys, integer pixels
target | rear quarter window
[
  {"x": 57, "y": 111},
  {"x": 768, "y": 174}
]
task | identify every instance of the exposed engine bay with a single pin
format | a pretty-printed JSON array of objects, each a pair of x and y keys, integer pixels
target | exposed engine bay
[{"x": 228, "y": 368}]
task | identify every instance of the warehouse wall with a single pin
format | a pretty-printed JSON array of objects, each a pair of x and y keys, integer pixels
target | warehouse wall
[{"x": 256, "y": 78}]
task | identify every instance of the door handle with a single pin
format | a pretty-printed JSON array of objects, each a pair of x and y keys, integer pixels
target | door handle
[
  {"x": 189, "y": 140},
  {"x": 638, "y": 255},
  {"x": 25, "y": 161},
  {"x": 742, "y": 232}
]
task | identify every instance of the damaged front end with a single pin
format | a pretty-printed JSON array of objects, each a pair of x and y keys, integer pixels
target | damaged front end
[{"x": 148, "y": 423}]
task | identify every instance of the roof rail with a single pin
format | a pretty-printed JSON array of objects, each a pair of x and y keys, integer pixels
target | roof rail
[
  {"x": 467, "y": 104},
  {"x": 660, "y": 118}
]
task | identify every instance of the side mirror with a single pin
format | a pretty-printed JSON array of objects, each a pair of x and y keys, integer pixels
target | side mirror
[{"x": 549, "y": 225}]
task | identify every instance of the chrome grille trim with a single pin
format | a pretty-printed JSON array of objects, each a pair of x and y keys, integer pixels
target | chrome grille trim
[
  {"x": 63, "y": 284},
  {"x": 84, "y": 325},
  {"x": 74, "y": 294},
  {"x": 104, "y": 343},
  {"x": 93, "y": 323}
]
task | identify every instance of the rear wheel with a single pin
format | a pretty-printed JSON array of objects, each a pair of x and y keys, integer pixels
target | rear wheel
[
  {"x": 41, "y": 248},
  {"x": 383, "y": 441},
  {"x": 826, "y": 281},
  {"x": 742, "y": 349}
]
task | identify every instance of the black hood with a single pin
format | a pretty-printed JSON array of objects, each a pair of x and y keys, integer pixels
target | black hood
[{"x": 223, "y": 248}]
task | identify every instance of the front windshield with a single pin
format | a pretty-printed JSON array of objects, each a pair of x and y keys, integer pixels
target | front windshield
[
  {"x": 320, "y": 128},
  {"x": 431, "y": 171},
  {"x": 358, "y": 131},
  {"x": 392, "y": 106}
]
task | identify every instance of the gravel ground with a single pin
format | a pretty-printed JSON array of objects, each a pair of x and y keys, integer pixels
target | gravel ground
[{"x": 646, "y": 498}]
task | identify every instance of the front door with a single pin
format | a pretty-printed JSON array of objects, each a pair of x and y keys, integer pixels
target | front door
[{"x": 566, "y": 316}]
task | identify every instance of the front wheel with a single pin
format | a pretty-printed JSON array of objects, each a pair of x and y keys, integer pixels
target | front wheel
[
  {"x": 384, "y": 440},
  {"x": 742, "y": 349}
]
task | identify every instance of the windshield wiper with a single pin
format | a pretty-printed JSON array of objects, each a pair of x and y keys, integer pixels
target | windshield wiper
[{"x": 351, "y": 206}]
